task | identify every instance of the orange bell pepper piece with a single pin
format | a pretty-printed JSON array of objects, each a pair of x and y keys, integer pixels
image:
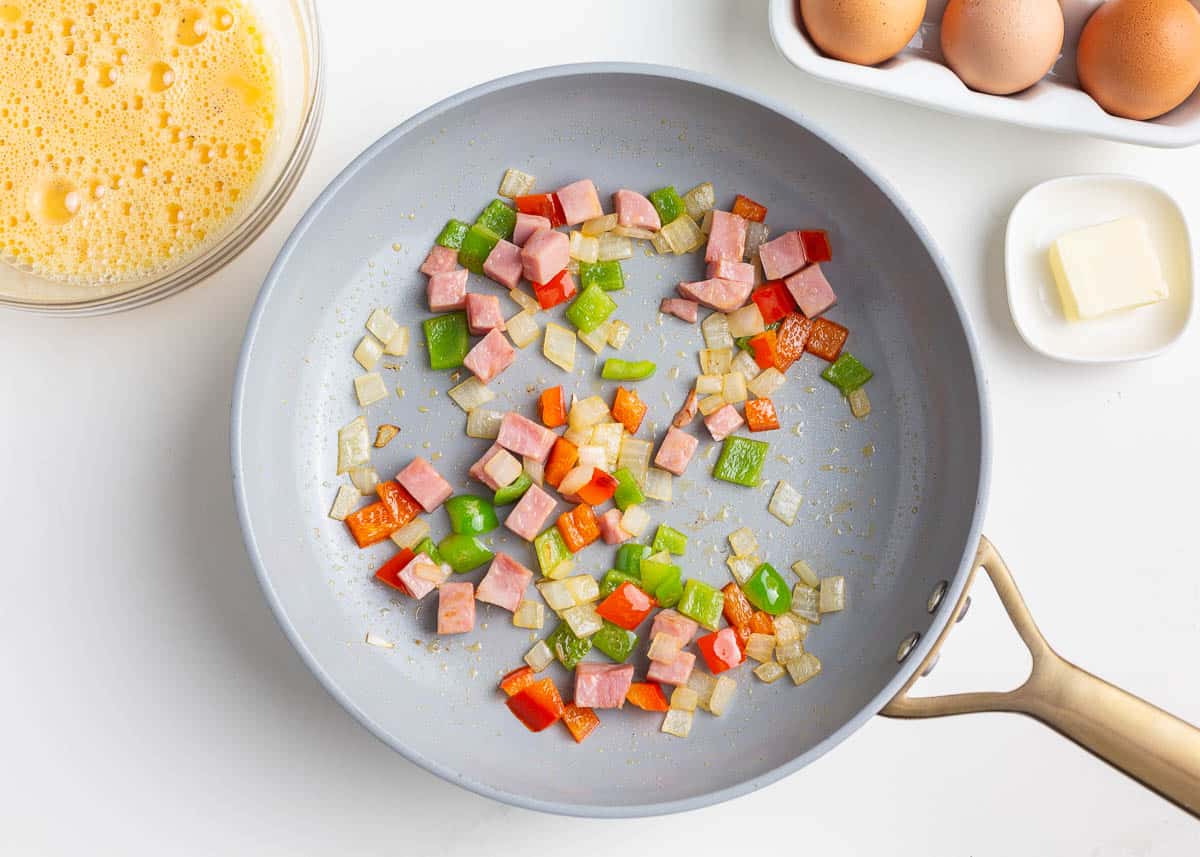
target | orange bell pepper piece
[
  {"x": 628, "y": 409},
  {"x": 537, "y": 706},
  {"x": 599, "y": 489},
  {"x": 738, "y": 608},
  {"x": 563, "y": 456},
  {"x": 579, "y": 527},
  {"x": 581, "y": 721},
  {"x": 399, "y": 502},
  {"x": 744, "y": 206},
  {"x": 647, "y": 695},
  {"x": 389, "y": 572},
  {"x": 826, "y": 339},
  {"x": 791, "y": 340},
  {"x": 517, "y": 680},
  {"x": 552, "y": 407},
  {"x": 371, "y": 524},
  {"x": 761, "y": 415},
  {"x": 762, "y": 623},
  {"x": 763, "y": 348}
]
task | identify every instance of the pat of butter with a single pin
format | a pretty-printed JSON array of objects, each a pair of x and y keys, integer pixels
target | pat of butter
[{"x": 1104, "y": 268}]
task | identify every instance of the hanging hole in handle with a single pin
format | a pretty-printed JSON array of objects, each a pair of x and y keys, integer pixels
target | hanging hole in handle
[
  {"x": 935, "y": 597},
  {"x": 906, "y": 646}
]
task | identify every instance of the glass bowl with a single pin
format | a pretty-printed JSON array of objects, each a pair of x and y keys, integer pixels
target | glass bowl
[{"x": 295, "y": 36}]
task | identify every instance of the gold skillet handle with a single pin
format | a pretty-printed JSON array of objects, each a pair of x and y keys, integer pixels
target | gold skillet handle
[{"x": 1154, "y": 747}]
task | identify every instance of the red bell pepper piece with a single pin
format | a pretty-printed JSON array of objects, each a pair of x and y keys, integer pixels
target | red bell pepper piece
[
  {"x": 599, "y": 489},
  {"x": 389, "y": 572},
  {"x": 537, "y": 706},
  {"x": 517, "y": 680},
  {"x": 761, "y": 415},
  {"x": 744, "y": 206},
  {"x": 762, "y": 623},
  {"x": 791, "y": 339},
  {"x": 544, "y": 204},
  {"x": 628, "y": 409},
  {"x": 557, "y": 291},
  {"x": 552, "y": 407},
  {"x": 738, "y": 608},
  {"x": 399, "y": 502},
  {"x": 647, "y": 695},
  {"x": 816, "y": 245},
  {"x": 774, "y": 301},
  {"x": 563, "y": 456},
  {"x": 579, "y": 527},
  {"x": 720, "y": 650},
  {"x": 826, "y": 339},
  {"x": 627, "y": 607},
  {"x": 580, "y": 721},
  {"x": 371, "y": 524},
  {"x": 762, "y": 346}
]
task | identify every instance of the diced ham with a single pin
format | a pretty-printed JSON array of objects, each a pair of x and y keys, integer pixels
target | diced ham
[
  {"x": 674, "y": 624},
  {"x": 602, "y": 685},
  {"x": 490, "y": 356},
  {"x": 447, "y": 290},
  {"x": 477, "y": 471},
  {"x": 580, "y": 201},
  {"x": 610, "y": 528},
  {"x": 440, "y": 260},
  {"x": 688, "y": 412},
  {"x": 681, "y": 308},
  {"x": 811, "y": 291},
  {"x": 676, "y": 672},
  {"x": 783, "y": 256},
  {"x": 545, "y": 253},
  {"x": 483, "y": 313},
  {"x": 456, "y": 608},
  {"x": 723, "y": 422},
  {"x": 676, "y": 451},
  {"x": 726, "y": 238},
  {"x": 417, "y": 576},
  {"x": 505, "y": 583},
  {"x": 722, "y": 295},
  {"x": 504, "y": 265},
  {"x": 731, "y": 269},
  {"x": 424, "y": 483},
  {"x": 635, "y": 210},
  {"x": 527, "y": 224},
  {"x": 522, "y": 436},
  {"x": 530, "y": 514}
]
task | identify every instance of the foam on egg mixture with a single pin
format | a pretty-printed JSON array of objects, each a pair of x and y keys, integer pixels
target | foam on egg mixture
[{"x": 130, "y": 131}]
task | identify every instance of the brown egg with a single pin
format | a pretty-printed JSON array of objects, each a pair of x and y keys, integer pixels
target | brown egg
[
  {"x": 1140, "y": 58},
  {"x": 862, "y": 31},
  {"x": 1001, "y": 46}
]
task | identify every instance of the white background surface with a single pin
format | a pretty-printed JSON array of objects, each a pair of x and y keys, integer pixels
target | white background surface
[{"x": 153, "y": 707}]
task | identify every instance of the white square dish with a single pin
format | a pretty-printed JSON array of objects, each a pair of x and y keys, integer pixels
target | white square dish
[{"x": 918, "y": 76}]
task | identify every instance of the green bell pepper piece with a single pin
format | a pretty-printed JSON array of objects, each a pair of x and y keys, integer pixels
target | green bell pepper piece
[
  {"x": 669, "y": 593},
  {"x": 568, "y": 648},
  {"x": 847, "y": 373},
  {"x": 448, "y": 340},
  {"x": 630, "y": 556},
  {"x": 767, "y": 590},
  {"x": 427, "y": 547},
  {"x": 613, "y": 579},
  {"x": 476, "y": 246},
  {"x": 471, "y": 515},
  {"x": 615, "y": 641},
  {"x": 590, "y": 309},
  {"x": 668, "y": 203},
  {"x": 702, "y": 603},
  {"x": 628, "y": 492},
  {"x": 655, "y": 574},
  {"x": 453, "y": 233},
  {"x": 550, "y": 549},
  {"x": 512, "y": 493},
  {"x": 464, "y": 552},
  {"x": 616, "y": 369},
  {"x": 607, "y": 275},
  {"x": 741, "y": 461},
  {"x": 670, "y": 540},
  {"x": 499, "y": 218}
]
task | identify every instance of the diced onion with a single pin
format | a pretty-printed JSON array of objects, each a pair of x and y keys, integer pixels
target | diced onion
[
  {"x": 609, "y": 436},
  {"x": 741, "y": 567},
  {"x": 583, "y": 248},
  {"x": 733, "y": 387},
  {"x": 564, "y": 569},
  {"x": 384, "y": 435},
  {"x": 522, "y": 328},
  {"x": 661, "y": 245},
  {"x": 597, "y": 226},
  {"x": 575, "y": 479},
  {"x": 614, "y": 248},
  {"x": 789, "y": 651},
  {"x": 588, "y": 412},
  {"x": 700, "y": 200},
  {"x": 593, "y": 455},
  {"x": 470, "y": 394},
  {"x": 597, "y": 338},
  {"x": 744, "y": 364},
  {"x": 556, "y": 594},
  {"x": 516, "y": 183},
  {"x": 804, "y": 668},
  {"x": 743, "y": 542},
  {"x": 832, "y": 594},
  {"x": 805, "y": 603},
  {"x": 578, "y": 435},
  {"x": 559, "y": 346},
  {"x": 702, "y": 684},
  {"x": 716, "y": 361},
  {"x": 684, "y": 699},
  {"x": 787, "y": 629},
  {"x": 682, "y": 235},
  {"x": 354, "y": 447},
  {"x": 368, "y": 351},
  {"x": 540, "y": 656},
  {"x": 767, "y": 382},
  {"x": 411, "y": 534},
  {"x": 534, "y": 469},
  {"x": 756, "y": 235},
  {"x": 708, "y": 385},
  {"x": 785, "y": 503},
  {"x": 583, "y": 587},
  {"x": 716, "y": 331},
  {"x": 344, "y": 503},
  {"x": 657, "y": 485},
  {"x": 531, "y": 615},
  {"x": 664, "y": 648},
  {"x": 382, "y": 325},
  {"x": 484, "y": 423},
  {"x": 804, "y": 571},
  {"x": 618, "y": 333},
  {"x": 573, "y": 266},
  {"x": 678, "y": 722},
  {"x": 711, "y": 404},
  {"x": 769, "y": 671},
  {"x": 524, "y": 300},
  {"x": 860, "y": 405},
  {"x": 375, "y": 640},
  {"x": 635, "y": 457},
  {"x": 503, "y": 468},
  {"x": 397, "y": 346},
  {"x": 722, "y": 695},
  {"x": 747, "y": 321},
  {"x": 370, "y": 388},
  {"x": 635, "y": 519},
  {"x": 663, "y": 556},
  {"x": 635, "y": 232},
  {"x": 706, "y": 223},
  {"x": 761, "y": 647},
  {"x": 365, "y": 479},
  {"x": 583, "y": 620}
]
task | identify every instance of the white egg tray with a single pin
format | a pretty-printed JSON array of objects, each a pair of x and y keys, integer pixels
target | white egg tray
[{"x": 917, "y": 75}]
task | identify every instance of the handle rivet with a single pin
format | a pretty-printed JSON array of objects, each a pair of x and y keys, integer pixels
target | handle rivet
[
  {"x": 906, "y": 646},
  {"x": 935, "y": 597},
  {"x": 962, "y": 614},
  {"x": 932, "y": 664}
]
